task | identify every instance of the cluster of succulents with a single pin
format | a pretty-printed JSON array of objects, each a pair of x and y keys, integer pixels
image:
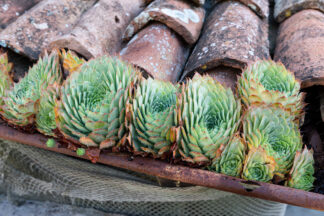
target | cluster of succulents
[{"x": 105, "y": 103}]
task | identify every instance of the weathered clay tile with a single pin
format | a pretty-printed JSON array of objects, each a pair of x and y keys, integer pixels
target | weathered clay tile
[
  {"x": 300, "y": 46},
  {"x": 181, "y": 16},
  {"x": 10, "y": 10},
  {"x": 158, "y": 51},
  {"x": 100, "y": 29},
  {"x": 233, "y": 36},
  {"x": 35, "y": 29},
  {"x": 260, "y": 7},
  {"x": 287, "y": 8},
  {"x": 227, "y": 76}
]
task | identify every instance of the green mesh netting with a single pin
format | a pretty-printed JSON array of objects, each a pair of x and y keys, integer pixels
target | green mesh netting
[{"x": 30, "y": 173}]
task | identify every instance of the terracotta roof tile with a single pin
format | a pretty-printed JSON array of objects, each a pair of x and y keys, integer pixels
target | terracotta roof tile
[
  {"x": 260, "y": 7},
  {"x": 233, "y": 36},
  {"x": 300, "y": 46},
  {"x": 165, "y": 31},
  {"x": 11, "y": 10},
  {"x": 158, "y": 51},
  {"x": 182, "y": 17},
  {"x": 35, "y": 29},
  {"x": 99, "y": 30},
  {"x": 287, "y": 8}
]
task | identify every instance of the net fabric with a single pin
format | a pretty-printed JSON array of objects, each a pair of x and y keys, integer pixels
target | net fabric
[{"x": 31, "y": 173}]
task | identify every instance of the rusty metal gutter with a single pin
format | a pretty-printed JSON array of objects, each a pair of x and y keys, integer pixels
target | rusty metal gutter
[{"x": 183, "y": 174}]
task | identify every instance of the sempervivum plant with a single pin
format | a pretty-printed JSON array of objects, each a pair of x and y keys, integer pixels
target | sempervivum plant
[
  {"x": 70, "y": 61},
  {"x": 267, "y": 82},
  {"x": 301, "y": 175},
  {"x": 92, "y": 106},
  {"x": 19, "y": 102},
  {"x": 153, "y": 116},
  {"x": 208, "y": 115},
  {"x": 230, "y": 162},
  {"x": 258, "y": 165},
  {"x": 45, "y": 115},
  {"x": 5, "y": 77},
  {"x": 275, "y": 131}
]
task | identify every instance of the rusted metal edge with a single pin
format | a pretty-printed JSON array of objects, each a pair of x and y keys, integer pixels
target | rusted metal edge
[{"x": 183, "y": 174}]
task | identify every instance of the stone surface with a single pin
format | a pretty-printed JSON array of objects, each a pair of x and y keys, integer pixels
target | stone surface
[
  {"x": 233, "y": 36},
  {"x": 300, "y": 46},
  {"x": 158, "y": 51},
  {"x": 287, "y": 8},
  {"x": 100, "y": 29},
  {"x": 35, "y": 29},
  {"x": 10, "y": 10},
  {"x": 180, "y": 16}
]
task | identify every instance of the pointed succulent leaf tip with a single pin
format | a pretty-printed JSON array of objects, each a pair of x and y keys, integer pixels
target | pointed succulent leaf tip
[
  {"x": 275, "y": 131},
  {"x": 302, "y": 172},
  {"x": 267, "y": 82},
  {"x": 258, "y": 165},
  {"x": 5, "y": 78},
  {"x": 45, "y": 115},
  {"x": 232, "y": 158},
  {"x": 208, "y": 116},
  {"x": 92, "y": 106},
  {"x": 19, "y": 106},
  {"x": 71, "y": 62},
  {"x": 153, "y": 116}
]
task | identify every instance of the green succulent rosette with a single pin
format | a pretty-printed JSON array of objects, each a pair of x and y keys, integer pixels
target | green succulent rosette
[
  {"x": 275, "y": 131},
  {"x": 268, "y": 82},
  {"x": 231, "y": 160},
  {"x": 20, "y": 100},
  {"x": 208, "y": 116},
  {"x": 5, "y": 78},
  {"x": 92, "y": 106},
  {"x": 258, "y": 165},
  {"x": 45, "y": 115},
  {"x": 153, "y": 116},
  {"x": 301, "y": 175}
]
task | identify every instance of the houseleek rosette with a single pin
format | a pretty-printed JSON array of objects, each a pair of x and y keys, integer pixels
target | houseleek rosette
[
  {"x": 302, "y": 172},
  {"x": 275, "y": 131},
  {"x": 5, "y": 77},
  {"x": 45, "y": 115},
  {"x": 258, "y": 165},
  {"x": 230, "y": 162},
  {"x": 19, "y": 106},
  {"x": 70, "y": 61},
  {"x": 208, "y": 116},
  {"x": 267, "y": 82},
  {"x": 91, "y": 109},
  {"x": 153, "y": 116}
]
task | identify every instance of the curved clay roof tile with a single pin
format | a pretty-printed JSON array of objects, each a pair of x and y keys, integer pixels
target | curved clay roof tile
[{"x": 300, "y": 46}]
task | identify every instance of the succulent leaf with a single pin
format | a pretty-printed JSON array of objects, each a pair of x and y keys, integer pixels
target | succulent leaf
[
  {"x": 302, "y": 172},
  {"x": 231, "y": 159},
  {"x": 153, "y": 116},
  {"x": 275, "y": 131},
  {"x": 208, "y": 116},
  {"x": 258, "y": 165},
  {"x": 45, "y": 115},
  {"x": 5, "y": 78},
  {"x": 267, "y": 82},
  {"x": 70, "y": 61},
  {"x": 92, "y": 105},
  {"x": 20, "y": 101}
]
